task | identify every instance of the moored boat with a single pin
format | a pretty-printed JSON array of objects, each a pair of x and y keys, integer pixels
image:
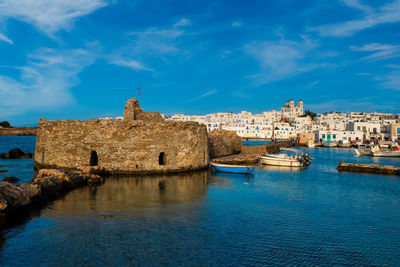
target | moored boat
[
  {"x": 310, "y": 143},
  {"x": 286, "y": 160},
  {"x": 329, "y": 144},
  {"x": 344, "y": 144},
  {"x": 280, "y": 160},
  {"x": 366, "y": 150},
  {"x": 386, "y": 153},
  {"x": 242, "y": 169}
]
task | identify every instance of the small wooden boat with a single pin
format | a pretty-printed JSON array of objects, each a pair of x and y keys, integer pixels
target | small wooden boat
[
  {"x": 232, "y": 168},
  {"x": 329, "y": 144}
]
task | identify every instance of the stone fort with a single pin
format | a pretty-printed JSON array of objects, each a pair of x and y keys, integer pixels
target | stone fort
[{"x": 143, "y": 142}]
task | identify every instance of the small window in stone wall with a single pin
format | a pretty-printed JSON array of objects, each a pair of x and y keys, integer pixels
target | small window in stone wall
[
  {"x": 94, "y": 160},
  {"x": 161, "y": 159}
]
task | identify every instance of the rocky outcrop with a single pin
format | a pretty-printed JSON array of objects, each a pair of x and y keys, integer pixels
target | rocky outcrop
[
  {"x": 93, "y": 174},
  {"x": 12, "y": 198},
  {"x": 223, "y": 143},
  {"x": 250, "y": 155},
  {"x": 16, "y": 153},
  {"x": 274, "y": 148},
  {"x": 18, "y": 131},
  {"x": 369, "y": 168},
  {"x": 10, "y": 179},
  {"x": 47, "y": 185}
]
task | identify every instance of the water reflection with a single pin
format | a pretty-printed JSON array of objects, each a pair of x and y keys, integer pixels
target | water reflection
[
  {"x": 126, "y": 194},
  {"x": 280, "y": 168}
]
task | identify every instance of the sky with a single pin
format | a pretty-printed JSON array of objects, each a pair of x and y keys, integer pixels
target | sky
[{"x": 82, "y": 59}]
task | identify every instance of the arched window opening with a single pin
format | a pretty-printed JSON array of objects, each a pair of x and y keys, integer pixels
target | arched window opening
[
  {"x": 94, "y": 160},
  {"x": 161, "y": 159}
]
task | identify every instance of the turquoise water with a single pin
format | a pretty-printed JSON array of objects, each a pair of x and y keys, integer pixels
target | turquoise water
[{"x": 310, "y": 217}]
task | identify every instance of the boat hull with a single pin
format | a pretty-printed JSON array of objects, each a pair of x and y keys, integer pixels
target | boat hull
[
  {"x": 280, "y": 162},
  {"x": 327, "y": 144},
  {"x": 363, "y": 152},
  {"x": 347, "y": 145},
  {"x": 232, "y": 168},
  {"x": 386, "y": 154}
]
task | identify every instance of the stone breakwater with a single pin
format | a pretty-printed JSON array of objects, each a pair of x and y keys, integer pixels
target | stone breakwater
[
  {"x": 18, "y": 131},
  {"x": 47, "y": 185},
  {"x": 250, "y": 155},
  {"x": 368, "y": 168}
]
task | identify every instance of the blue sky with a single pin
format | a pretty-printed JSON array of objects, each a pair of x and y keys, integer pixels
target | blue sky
[{"x": 82, "y": 59}]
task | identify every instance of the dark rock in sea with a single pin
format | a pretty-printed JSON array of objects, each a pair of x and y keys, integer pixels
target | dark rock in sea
[
  {"x": 33, "y": 191},
  {"x": 3, "y": 171},
  {"x": 12, "y": 197},
  {"x": 10, "y": 179},
  {"x": 16, "y": 153}
]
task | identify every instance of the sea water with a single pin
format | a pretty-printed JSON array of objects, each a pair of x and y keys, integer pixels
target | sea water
[{"x": 278, "y": 216}]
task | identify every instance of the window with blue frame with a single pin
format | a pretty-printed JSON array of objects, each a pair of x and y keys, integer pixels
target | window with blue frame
[
  {"x": 334, "y": 136},
  {"x": 398, "y": 130},
  {"x": 344, "y": 138},
  {"x": 329, "y": 136},
  {"x": 323, "y": 136}
]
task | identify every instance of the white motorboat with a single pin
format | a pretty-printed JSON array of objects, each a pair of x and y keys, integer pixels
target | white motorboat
[
  {"x": 329, "y": 144},
  {"x": 286, "y": 160},
  {"x": 363, "y": 151},
  {"x": 344, "y": 144},
  {"x": 310, "y": 143},
  {"x": 386, "y": 153},
  {"x": 367, "y": 150}
]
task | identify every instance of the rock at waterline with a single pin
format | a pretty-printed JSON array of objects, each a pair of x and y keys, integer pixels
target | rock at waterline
[
  {"x": 12, "y": 197},
  {"x": 16, "y": 153},
  {"x": 3, "y": 171},
  {"x": 10, "y": 179}
]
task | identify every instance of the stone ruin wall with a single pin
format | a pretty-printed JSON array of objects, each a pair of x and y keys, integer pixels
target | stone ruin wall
[{"x": 128, "y": 146}]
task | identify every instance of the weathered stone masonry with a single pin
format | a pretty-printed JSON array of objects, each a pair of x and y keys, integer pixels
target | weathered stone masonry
[{"x": 141, "y": 143}]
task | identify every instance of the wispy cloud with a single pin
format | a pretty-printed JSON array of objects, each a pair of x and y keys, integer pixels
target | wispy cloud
[
  {"x": 182, "y": 22},
  {"x": 390, "y": 80},
  {"x": 130, "y": 63},
  {"x": 155, "y": 41},
  {"x": 314, "y": 83},
  {"x": 151, "y": 45},
  {"x": 45, "y": 82},
  {"x": 380, "y": 51},
  {"x": 280, "y": 59},
  {"x": 364, "y": 74},
  {"x": 392, "y": 66},
  {"x": 388, "y": 13},
  {"x": 345, "y": 105},
  {"x": 237, "y": 24},
  {"x": 5, "y": 39},
  {"x": 206, "y": 94},
  {"x": 48, "y": 15}
]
